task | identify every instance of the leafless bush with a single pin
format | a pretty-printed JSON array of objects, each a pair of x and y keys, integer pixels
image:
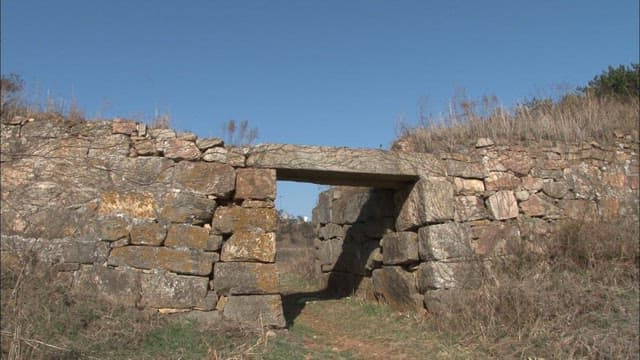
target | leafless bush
[{"x": 239, "y": 133}]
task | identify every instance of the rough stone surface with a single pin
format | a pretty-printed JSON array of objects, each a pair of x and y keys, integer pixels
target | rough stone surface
[
  {"x": 400, "y": 248},
  {"x": 148, "y": 233},
  {"x": 256, "y": 310},
  {"x": 112, "y": 228},
  {"x": 469, "y": 208},
  {"x": 503, "y": 205},
  {"x": 501, "y": 181},
  {"x": 168, "y": 290},
  {"x": 117, "y": 286},
  {"x": 396, "y": 287},
  {"x": 206, "y": 143},
  {"x": 184, "y": 207},
  {"x": 189, "y": 236},
  {"x": 377, "y": 168},
  {"x": 331, "y": 231},
  {"x": 496, "y": 238},
  {"x": 250, "y": 246},
  {"x": 233, "y": 278},
  {"x": 181, "y": 150},
  {"x": 580, "y": 209},
  {"x": 466, "y": 170},
  {"x": 430, "y": 200},
  {"x": 468, "y": 186},
  {"x": 256, "y": 184},
  {"x": 205, "y": 178},
  {"x": 447, "y": 275},
  {"x": 539, "y": 205},
  {"x": 444, "y": 241},
  {"x": 555, "y": 189},
  {"x": 182, "y": 261},
  {"x": 135, "y": 205},
  {"x": 234, "y": 219}
]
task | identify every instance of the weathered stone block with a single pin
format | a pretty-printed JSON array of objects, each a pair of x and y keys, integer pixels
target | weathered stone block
[
  {"x": 468, "y": 186},
  {"x": 234, "y": 219},
  {"x": 469, "y": 208},
  {"x": 555, "y": 189},
  {"x": 112, "y": 228},
  {"x": 439, "y": 302},
  {"x": 331, "y": 231},
  {"x": 245, "y": 278},
  {"x": 256, "y": 310},
  {"x": 117, "y": 286},
  {"x": 207, "y": 143},
  {"x": 145, "y": 147},
  {"x": 354, "y": 257},
  {"x": 466, "y": 170},
  {"x": 329, "y": 251},
  {"x": 168, "y": 290},
  {"x": 148, "y": 233},
  {"x": 195, "y": 237},
  {"x": 503, "y": 205},
  {"x": 580, "y": 209},
  {"x": 184, "y": 207},
  {"x": 321, "y": 214},
  {"x": 519, "y": 165},
  {"x": 178, "y": 149},
  {"x": 256, "y": 184},
  {"x": 184, "y": 261},
  {"x": 400, "y": 248},
  {"x": 396, "y": 287},
  {"x": 532, "y": 184},
  {"x": 501, "y": 181},
  {"x": 446, "y": 275},
  {"x": 540, "y": 205},
  {"x": 430, "y": 200},
  {"x": 250, "y": 246},
  {"x": 120, "y": 126},
  {"x": 496, "y": 238},
  {"x": 206, "y": 178},
  {"x": 135, "y": 205},
  {"x": 444, "y": 241}
]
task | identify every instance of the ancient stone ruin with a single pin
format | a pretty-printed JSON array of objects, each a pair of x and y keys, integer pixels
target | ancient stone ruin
[{"x": 156, "y": 219}]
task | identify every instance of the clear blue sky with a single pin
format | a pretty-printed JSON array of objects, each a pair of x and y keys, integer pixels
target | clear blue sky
[{"x": 332, "y": 72}]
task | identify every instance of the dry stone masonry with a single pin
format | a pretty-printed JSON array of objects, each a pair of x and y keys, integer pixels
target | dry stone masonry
[{"x": 157, "y": 219}]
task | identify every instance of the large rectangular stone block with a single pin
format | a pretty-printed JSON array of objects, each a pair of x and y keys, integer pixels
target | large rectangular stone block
[
  {"x": 430, "y": 200},
  {"x": 117, "y": 286},
  {"x": 195, "y": 237},
  {"x": 256, "y": 310},
  {"x": 446, "y": 275},
  {"x": 206, "y": 178},
  {"x": 168, "y": 290},
  {"x": 444, "y": 241},
  {"x": 503, "y": 205},
  {"x": 250, "y": 246},
  {"x": 245, "y": 278},
  {"x": 234, "y": 219},
  {"x": 400, "y": 248},
  {"x": 186, "y": 207},
  {"x": 185, "y": 261},
  {"x": 148, "y": 233},
  {"x": 257, "y": 184},
  {"x": 135, "y": 205},
  {"x": 397, "y": 288}
]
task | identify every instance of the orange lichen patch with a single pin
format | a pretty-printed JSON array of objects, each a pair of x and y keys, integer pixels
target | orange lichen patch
[{"x": 135, "y": 205}]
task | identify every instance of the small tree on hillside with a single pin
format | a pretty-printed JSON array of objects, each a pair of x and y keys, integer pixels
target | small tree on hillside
[{"x": 621, "y": 82}]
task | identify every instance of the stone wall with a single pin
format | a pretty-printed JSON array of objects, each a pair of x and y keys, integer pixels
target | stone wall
[
  {"x": 490, "y": 202},
  {"x": 144, "y": 217},
  {"x": 157, "y": 219}
]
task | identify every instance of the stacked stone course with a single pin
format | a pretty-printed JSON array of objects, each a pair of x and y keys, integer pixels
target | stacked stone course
[
  {"x": 489, "y": 202},
  {"x": 144, "y": 217},
  {"x": 158, "y": 219}
]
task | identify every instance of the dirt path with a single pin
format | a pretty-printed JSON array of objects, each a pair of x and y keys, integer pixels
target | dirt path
[{"x": 349, "y": 327}]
